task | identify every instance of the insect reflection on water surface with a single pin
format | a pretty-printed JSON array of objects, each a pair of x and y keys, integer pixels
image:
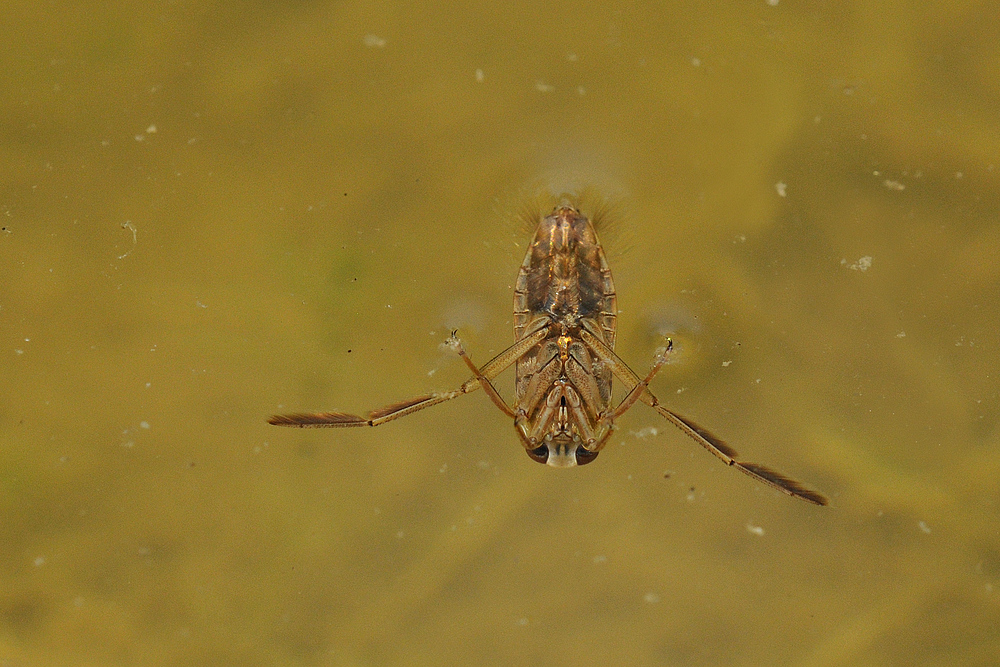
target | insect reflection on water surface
[{"x": 565, "y": 318}]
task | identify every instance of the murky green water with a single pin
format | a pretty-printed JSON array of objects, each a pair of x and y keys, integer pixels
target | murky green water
[{"x": 216, "y": 211}]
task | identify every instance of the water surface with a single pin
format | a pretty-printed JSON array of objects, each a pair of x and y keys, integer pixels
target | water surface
[{"x": 215, "y": 212}]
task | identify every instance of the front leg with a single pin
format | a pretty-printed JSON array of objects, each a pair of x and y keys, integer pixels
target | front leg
[
  {"x": 456, "y": 345},
  {"x": 639, "y": 389}
]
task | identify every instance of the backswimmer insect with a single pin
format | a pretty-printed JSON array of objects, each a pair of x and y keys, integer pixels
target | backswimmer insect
[{"x": 565, "y": 317}]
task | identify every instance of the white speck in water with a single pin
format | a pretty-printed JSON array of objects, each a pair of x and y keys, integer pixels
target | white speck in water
[
  {"x": 647, "y": 432},
  {"x": 443, "y": 469},
  {"x": 725, "y": 364},
  {"x": 863, "y": 264},
  {"x": 151, "y": 129},
  {"x": 399, "y": 534},
  {"x": 522, "y": 621},
  {"x": 893, "y": 185},
  {"x": 696, "y": 62},
  {"x": 543, "y": 87},
  {"x": 901, "y": 334},
  {"x": 374, "y": 41},
  {"x": 144, "y": 425},
  {"x": 600, "y": 559},
  {"x": 39, "y": 561},
  {"x": 924, "y": 527},
  {"x": 480, "y": 77},
  {"x": 651, "y": 598},
  {"x": 773, "y": 3},
  {"x": 755, "y": 530},
  {"x": 781, "y": 188}
]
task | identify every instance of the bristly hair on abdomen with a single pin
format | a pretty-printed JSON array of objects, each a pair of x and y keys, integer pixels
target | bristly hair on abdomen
[{"x": 608, "y": 214}]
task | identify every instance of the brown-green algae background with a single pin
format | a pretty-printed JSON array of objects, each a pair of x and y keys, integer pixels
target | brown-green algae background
[{"x": 216, "y": 211}]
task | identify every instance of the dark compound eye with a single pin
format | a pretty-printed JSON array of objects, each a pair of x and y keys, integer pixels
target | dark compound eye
[
  {"x": 540, "y": 454},
  {"x": 584, "y": 456}
]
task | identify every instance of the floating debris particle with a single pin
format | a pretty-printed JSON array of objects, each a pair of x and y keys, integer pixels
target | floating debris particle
[{"x": 863, "y": 264}]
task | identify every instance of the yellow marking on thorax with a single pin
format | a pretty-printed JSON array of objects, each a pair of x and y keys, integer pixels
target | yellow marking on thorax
[{"x": 563, "y": 343}]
